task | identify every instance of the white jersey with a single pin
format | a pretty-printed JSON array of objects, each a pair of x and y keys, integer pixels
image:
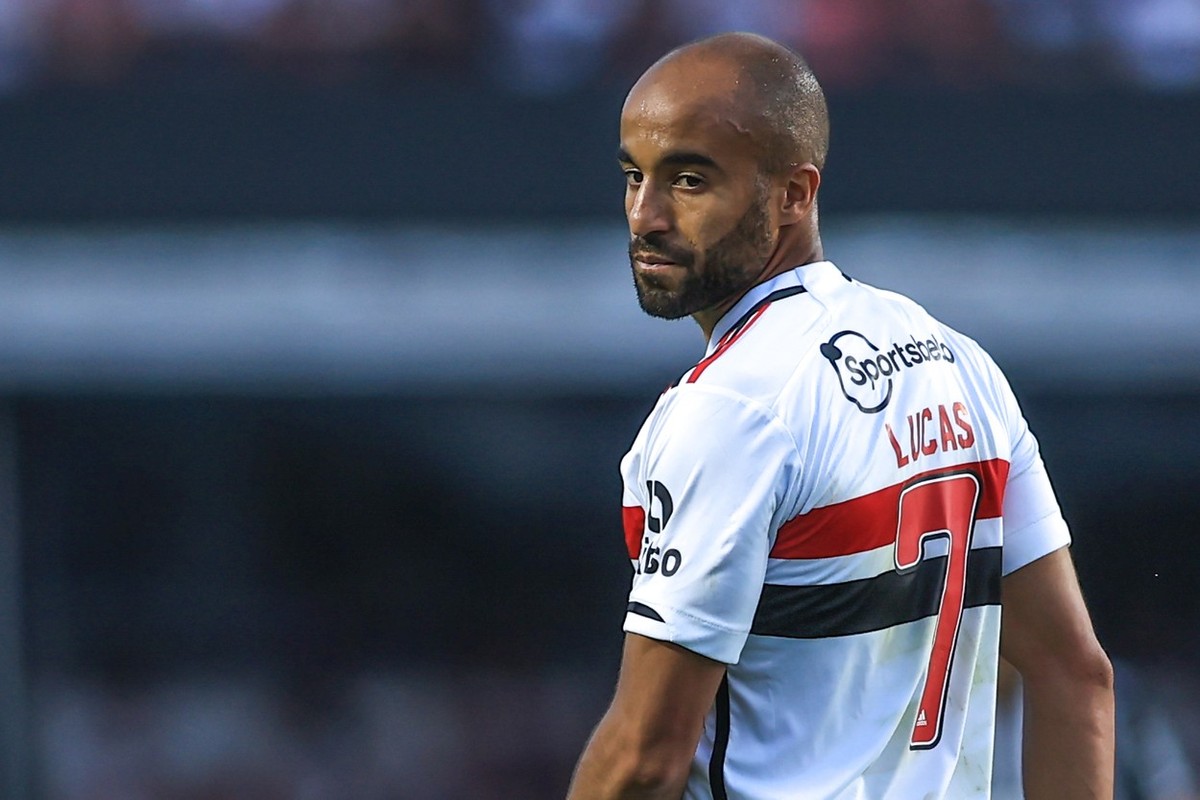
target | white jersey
[{"x": 826, "y": 503}]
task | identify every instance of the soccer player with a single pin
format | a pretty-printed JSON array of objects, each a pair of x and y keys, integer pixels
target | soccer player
[{"x": 826, "y": 514}]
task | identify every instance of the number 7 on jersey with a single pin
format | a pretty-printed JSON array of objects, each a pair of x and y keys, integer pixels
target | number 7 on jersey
[{"x": 938, "y": 507}]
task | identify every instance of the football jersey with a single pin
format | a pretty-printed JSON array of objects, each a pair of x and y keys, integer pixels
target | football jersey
[{"x": 826, "y": 503}]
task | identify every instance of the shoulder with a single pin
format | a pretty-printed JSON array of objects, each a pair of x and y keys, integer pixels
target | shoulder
[
  {"x": 699, "y": 430},
  {"x": 758, "y": 357},
  {"x": 922, "y": 336},
  {"x": 711, "y": 416}
]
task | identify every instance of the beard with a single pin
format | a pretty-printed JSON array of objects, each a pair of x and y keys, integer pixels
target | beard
[{"x": 728, "y": 267}]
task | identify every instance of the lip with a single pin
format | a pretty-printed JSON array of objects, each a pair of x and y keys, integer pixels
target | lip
[{"x": 653, "y": 263}]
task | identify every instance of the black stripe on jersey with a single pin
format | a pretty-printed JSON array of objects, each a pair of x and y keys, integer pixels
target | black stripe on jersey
[
  {"x": 643, "y": 610},
  {"x": 778, "y": 294},
  {"x": 872, "y": 604},
  {"x": 716, "y": 762},
  {"x": 741, "y": 323}
]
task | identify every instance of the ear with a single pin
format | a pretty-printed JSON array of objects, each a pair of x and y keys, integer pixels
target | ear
[{"x": 800, "y": 193}]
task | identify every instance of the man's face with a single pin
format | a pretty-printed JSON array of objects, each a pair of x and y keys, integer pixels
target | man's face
[{"x": 698, "y": 209}]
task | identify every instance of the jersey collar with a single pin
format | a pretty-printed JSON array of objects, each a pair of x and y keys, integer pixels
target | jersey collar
[{"x": 786, "y": 280}]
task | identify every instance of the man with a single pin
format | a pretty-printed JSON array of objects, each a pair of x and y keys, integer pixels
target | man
[{"x": 820, "y": 511}]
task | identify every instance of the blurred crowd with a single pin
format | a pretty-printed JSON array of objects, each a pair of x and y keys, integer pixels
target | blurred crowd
[
  {"x": 480, "y": 734},
  {"x": 372, "y": 736},
  {"x": 557, "y": 46}
]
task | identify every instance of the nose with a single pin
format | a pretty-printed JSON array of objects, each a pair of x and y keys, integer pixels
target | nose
[{"x": 647, "y": 210}]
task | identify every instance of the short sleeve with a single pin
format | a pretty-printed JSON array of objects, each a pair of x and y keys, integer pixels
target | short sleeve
[
  {"x": 713, "y": 475},
  {"x": 1033, "y": 522}
]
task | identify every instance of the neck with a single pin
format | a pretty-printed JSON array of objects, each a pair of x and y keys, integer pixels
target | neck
[{"x": 795, "y": 248}]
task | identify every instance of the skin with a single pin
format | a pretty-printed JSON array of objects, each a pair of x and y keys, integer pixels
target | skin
[
  {"x": 1068, "y": 748},
  {"x": 707, "y": 222},
  {"x": 643, "y": 747}
]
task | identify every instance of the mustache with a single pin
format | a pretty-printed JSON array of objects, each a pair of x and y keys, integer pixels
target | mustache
[{"x": 654, "y": 245}]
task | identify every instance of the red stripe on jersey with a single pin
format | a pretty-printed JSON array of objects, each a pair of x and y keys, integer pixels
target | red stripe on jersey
[
  {"x": 725, "y": 345},
  {"x": 634, "y": 520},
  {"x": 867, "y": 522}
]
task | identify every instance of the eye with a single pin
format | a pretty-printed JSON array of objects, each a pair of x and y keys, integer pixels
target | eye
[
  {"x": 689, "y": 180},
  {"x": 633, "y": 177}
]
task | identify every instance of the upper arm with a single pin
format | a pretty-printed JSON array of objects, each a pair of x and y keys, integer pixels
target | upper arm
[
  {"x": 1045, "y": 627},
  {"x": 663, "y": 694},
  {"x": 1044, "y": 622},
  {"x": 1068, "y": 722},
  {"x": 644, "y": 745},
  {"x": 708, "y": 480}
]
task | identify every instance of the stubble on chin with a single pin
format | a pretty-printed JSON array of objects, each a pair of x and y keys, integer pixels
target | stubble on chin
[
  {"x": 658, "y": 301},
  {"x": 726, "y": 270}
]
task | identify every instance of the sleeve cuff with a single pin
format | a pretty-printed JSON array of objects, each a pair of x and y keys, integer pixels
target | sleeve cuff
[
  {"x": 668, "y": 625},
  {"x": 1034, "y": 541}
]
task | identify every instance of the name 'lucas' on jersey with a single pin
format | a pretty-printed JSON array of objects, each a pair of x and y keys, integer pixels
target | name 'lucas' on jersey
[{"x": 868, "y": 376}]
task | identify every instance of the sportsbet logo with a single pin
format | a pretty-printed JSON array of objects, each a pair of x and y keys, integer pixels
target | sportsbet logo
[{"x": 865, "y": 371}]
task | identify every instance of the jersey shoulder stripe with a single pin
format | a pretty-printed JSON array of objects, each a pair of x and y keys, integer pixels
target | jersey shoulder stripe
[{"x": 633, "y": 519}]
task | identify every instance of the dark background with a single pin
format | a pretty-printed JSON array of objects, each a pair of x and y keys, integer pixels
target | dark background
[{"x": 263, "y": 555}]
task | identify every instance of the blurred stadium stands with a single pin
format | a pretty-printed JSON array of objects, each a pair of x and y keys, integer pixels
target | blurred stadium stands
[
  {"x": 557, "y": 46},
  {"x": 318, "y": 353}
]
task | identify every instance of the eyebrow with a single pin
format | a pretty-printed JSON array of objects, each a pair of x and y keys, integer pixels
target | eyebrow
[{"x": 678, "y": 158}]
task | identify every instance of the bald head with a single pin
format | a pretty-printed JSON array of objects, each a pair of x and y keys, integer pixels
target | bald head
[
  {"x": 763, "y": 88},
  {"x": 722, "y": 143}
]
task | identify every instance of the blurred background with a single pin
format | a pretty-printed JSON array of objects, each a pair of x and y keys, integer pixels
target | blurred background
[{"x": 318, "y": 352}]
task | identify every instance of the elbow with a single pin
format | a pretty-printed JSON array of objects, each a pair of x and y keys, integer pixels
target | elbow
[
  {"x": 1085, "y": 667},
  {"x": 1100, "y": 671},
  {"x": 1090, "y": 666},
  {"x": 624, "y": 761},
  {"x": 643, "y": 774},
  {"x": 647, "y": 769}
]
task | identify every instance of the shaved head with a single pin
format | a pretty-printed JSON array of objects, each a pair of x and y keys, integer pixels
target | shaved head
[{"x": 768, "y": 91}]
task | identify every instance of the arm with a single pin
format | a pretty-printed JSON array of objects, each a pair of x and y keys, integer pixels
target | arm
[
  {"x": 644, "y": 744},
  {"x": 711, "y": 473},
  {"x": 1069, "y": 726}
]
